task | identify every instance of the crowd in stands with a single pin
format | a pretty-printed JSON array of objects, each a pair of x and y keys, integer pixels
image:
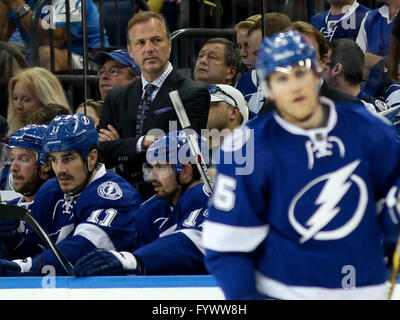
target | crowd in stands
[{"x": 86, "y": 171}]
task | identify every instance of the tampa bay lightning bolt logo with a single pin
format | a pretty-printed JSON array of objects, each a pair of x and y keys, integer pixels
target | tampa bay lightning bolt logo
[
  {"x": 109, "y": 190},
  {"x": 334, "y": 187},
  {"x": 85, "y": 120}
]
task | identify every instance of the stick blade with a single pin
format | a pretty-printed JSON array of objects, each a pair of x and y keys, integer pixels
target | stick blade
[{"x": 9, "y": 211}]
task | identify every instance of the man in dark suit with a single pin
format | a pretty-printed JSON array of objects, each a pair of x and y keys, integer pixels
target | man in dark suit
[{"x": 131, "y": 113}]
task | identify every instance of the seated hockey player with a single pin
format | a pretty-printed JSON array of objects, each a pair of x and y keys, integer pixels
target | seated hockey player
[
  {"x": 29, "y": 170},
  {"x": 168, "y": 225},
  {"x": 304, "y": 224},
  {"x": 84, "y": 206}
]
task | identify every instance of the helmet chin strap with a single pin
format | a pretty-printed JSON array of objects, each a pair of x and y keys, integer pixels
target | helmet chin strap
[{"x": 183, "y": 185}]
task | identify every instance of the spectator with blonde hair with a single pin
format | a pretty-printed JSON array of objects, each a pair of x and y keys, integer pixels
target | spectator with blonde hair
[
  {"x": 242, "y": 28},
  {"x": 248, "y": 84},
  {"x": 28, "y": 91}
]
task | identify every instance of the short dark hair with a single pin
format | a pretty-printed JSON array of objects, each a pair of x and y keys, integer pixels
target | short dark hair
[
  {"x": 309, "y": 30},
  {"x": 350, "y": 56},
  {"x": 273, "y": 22},
  {"x": 232, "y": 54},
  {"x": 145, "y": 16}
]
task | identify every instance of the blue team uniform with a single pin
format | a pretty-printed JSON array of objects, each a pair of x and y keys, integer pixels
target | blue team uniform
[
  {"x": 169, "y": 238},
  {"x": 254, "y": 96},
  {"x": 345, "y": 25},
  {"x": 308, "y": 209},
  {"x": 375, "y": 32},
  {"x": 101, "y": 216},
  {"x": 93, "y": 24},
  {"x": 247, "y": 84}
]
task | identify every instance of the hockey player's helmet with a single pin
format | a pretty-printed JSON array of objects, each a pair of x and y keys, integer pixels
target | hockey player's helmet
[
  {"x": 71, "y": 132},
  {"x": 174, "y": 149},
  {"x": 284, "y": 50},
  {"x": 31, "y": 137}
]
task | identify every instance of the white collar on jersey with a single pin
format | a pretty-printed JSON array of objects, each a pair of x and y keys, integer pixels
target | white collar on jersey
[
  {"x": 385, "y": 12},
  {"x": 290, "y": 127},
  {"x": 349, "y": 12},
  {"x": 101, "y": 171}
]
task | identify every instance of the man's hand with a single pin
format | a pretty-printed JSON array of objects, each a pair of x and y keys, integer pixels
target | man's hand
[
  {"x": 102, "y": 262},
  {"x": 109, "y": 134},
  {"x": 147, "y": 141}
]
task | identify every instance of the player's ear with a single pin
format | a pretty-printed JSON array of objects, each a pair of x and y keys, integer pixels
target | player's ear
[
  {"x": 92, "y": 158},
  {"x": 44, "y": 172},
  {"x": 187, "y": 174},
  {"x": 235, "y": 112}
]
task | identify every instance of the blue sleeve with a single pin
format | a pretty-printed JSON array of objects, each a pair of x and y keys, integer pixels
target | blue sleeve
[
  {"x": 385, "y": 173},
  {"x": 73, "y": 248},
  {"x": 238, "y": 220},
  {"x": 172, "y": 254},
  {"x": 234, "y": 274}
]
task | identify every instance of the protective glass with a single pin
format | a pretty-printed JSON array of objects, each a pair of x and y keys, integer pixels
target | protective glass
[
  {"x": 23, "y": 160},
  {"x": 157, "y": 171}
]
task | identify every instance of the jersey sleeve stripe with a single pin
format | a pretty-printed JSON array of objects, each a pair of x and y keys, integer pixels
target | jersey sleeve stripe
[
  {"x": 194, "y": 236},
  {"x": 95, "y": 235},
  {"x": 281, "y": 290},
  {"x": 225, "y": 238}
]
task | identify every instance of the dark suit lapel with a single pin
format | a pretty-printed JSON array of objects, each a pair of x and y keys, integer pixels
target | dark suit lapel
[
  {"x": 131, "y": 106},
  {"x": 162, "y": 100}
]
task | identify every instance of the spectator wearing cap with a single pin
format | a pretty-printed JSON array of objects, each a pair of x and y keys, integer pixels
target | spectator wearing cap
[
  {"x": 228, "y": 110},
  {"x": 117, "y": 69}
]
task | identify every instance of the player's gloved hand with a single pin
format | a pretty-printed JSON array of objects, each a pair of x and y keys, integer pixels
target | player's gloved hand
[
  {"x": 102, "y": 262},
  {"x": 8, "y": 227},
  {"x": 15, "y": 268}
]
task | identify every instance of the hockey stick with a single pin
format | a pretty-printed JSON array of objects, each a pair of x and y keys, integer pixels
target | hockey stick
[
  {"x": 193, "y": 144},
  {"x": 382, "y": 113},
  {"x": 8, "y": 211},
  {"x": 395, "y": 269}
]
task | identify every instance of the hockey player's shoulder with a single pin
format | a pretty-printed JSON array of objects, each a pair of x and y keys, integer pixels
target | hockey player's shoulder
[
  {"x": 245, "y": 135},
  {"x": 109, "y": 187}
]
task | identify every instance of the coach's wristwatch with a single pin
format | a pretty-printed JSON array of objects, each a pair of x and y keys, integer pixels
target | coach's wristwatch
[{"x": 22, "y": 11}]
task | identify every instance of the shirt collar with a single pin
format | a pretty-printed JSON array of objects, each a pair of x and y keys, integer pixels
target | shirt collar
[
  {"x": 296, "y": 130},
  {"x": 160, "y": 80},
  {"x": 349, "y": 12},
  {"x": 385, "y": 12}
]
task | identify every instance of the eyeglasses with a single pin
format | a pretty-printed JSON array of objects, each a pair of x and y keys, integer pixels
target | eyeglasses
[
  {"x": 215, "y": 89},
  {"x": 113, "y": 72},
  {"x": 331, "y": 64}
]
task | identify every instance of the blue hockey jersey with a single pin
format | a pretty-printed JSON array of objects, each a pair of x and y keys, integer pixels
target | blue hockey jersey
[
  {"x": 101, "y": 216},
  {"x": 375, "y": 31},
  {"x": 169, "y": 238},
  {"x": 345, "y": 25},
  {"x": 307, "y": 213}
]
